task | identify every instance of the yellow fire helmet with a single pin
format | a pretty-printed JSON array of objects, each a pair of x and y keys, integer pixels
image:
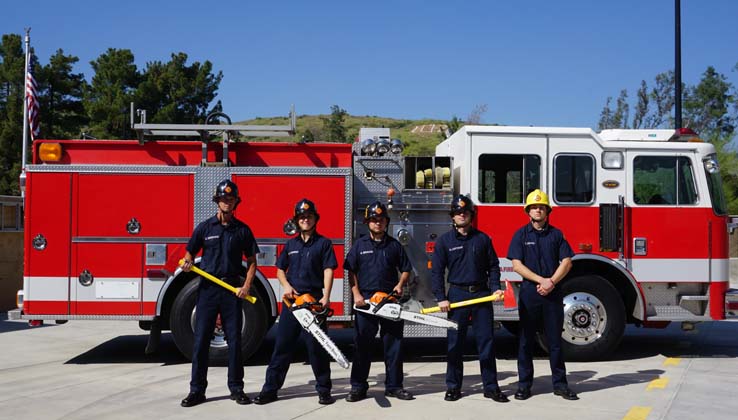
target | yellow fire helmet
[{"x": 537, "y": 197}]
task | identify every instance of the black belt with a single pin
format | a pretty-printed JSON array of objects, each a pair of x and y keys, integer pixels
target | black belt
[{"x": 471, "y": 288}]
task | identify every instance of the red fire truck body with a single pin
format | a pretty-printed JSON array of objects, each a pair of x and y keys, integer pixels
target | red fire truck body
[{"x": 107, "y": 221}]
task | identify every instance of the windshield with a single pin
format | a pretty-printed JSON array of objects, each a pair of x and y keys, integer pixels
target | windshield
[{"x": 715, "y": 184}]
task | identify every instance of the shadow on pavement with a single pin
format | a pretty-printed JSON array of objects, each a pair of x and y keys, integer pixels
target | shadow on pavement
[
  {"x": 8, "y": 326},
  {"x": 709, "y": 339},
  {"x": 130, "y": 349}
]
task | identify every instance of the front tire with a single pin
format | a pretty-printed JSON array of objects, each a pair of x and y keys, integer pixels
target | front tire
[
  {"x": 594, "y": 318},
  {"x": 182, "y": 323}
]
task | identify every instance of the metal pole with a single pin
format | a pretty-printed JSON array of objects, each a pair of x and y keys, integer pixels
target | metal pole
[
  {"x": 677, "y": 64},
  {"x": 24, "y": 146},
  {"x": 25, "y": 101}
]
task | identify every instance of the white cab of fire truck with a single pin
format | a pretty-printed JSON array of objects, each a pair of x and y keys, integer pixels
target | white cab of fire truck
[{"x": 642, "y": 209}]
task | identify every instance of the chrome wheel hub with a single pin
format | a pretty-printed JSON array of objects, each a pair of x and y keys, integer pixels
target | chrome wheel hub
[{"x": 585, "y": 318}]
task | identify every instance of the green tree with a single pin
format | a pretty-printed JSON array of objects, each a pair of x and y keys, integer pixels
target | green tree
[
  {"x": 622, "y": 111},
  {"x": 108, "y": 98},
  {"x": 662, "y": 96},
  {"x": 452, "y": 126},
  {"x": 174, "y": 92},
  {"x": 641, "y": 108},
  {"x": 334, "y": 126},
  {"x": 12, "y": 68},
  {"x": 60, "y": 96},
  {"x": 605, "y": 116},
  {"x": 706, "y": 106}
]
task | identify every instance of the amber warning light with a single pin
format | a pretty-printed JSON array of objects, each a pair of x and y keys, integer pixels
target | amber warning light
[{"x": 50, "y": 152}]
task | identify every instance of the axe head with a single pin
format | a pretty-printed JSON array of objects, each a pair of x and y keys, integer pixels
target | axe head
[{"x": 509, "y": 301}]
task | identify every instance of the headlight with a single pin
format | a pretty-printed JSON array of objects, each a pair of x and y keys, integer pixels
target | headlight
[
  {"x": 396, "y": 146},
  {"x": 368, "y": 147}
]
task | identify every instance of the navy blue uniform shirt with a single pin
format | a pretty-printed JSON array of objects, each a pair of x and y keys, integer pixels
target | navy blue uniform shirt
[
  {"x": 471, "y": 260},
  {"x": 304, "y": 262},
  {"x": 375, "y": 263},
  {"x": 539, "y": 250},
  {"x": 222, "y": 247}
]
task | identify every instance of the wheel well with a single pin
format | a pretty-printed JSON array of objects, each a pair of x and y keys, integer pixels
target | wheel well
[
  {"x": 173, "y": 290},
  {"x": 610, "y": 273}
]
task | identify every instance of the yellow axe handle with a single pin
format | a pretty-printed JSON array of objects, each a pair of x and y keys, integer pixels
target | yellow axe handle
[
  {"x": 490, "y": 298},
  {"x": 217, "y": 281}
]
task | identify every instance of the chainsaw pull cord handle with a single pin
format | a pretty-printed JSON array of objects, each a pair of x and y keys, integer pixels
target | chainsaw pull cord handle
[
  {"x": 387, "y": 299},
  {"x": 314, "y": 307}
]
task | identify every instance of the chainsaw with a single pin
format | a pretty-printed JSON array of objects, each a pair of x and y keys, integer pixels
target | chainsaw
[
  {"x": 311, "y": 314},
  {"x": 386, "y": 305}
]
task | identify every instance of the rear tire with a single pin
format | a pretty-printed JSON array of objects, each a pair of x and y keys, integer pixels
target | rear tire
[
  {"x": 513, "y": 327},
  {"x": 182, "y": 324}
]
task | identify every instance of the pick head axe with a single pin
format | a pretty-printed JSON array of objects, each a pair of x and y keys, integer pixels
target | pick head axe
[
  {"x": 508, "y": 299},
  {"x": 217, "y": 281}
]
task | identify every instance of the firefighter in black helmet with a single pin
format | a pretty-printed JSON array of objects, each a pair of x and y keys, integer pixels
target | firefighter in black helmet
[
  {"x": 305, "y": 265},
  {"x": 373, "y": 264},
  {"x": 473, "y": 272},
  {"x": 224, "y": 241},
  {"x": 227, "y": 188}
]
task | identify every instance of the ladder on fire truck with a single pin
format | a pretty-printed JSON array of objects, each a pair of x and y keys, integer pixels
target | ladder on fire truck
[{"x": 211, "y": 129}]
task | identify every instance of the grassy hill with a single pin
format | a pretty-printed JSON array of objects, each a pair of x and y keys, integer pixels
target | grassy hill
[{"x": 416, "y": 144}]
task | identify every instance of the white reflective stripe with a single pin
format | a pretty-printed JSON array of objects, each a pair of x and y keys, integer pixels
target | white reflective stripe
[
  {"x": 678, "y": 270},
  {"x": 89, "y": 293},
  {"x": 152, "y": 287},
  {"x": 37, "y": 288},
  {"x": 46, "y": 288},
  {"x": 657, "y": 269},
  {"x": 336, "y": 291}
]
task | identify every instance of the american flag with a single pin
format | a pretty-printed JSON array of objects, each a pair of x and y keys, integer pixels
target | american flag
[{"x": 32, "y": 102}]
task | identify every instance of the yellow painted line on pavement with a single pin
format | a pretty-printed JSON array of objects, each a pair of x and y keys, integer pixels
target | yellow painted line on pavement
[
  {"x": 638, "y": 413},
  {"x": 659, "y": 383},
  {"x": 672, "y": 361}
]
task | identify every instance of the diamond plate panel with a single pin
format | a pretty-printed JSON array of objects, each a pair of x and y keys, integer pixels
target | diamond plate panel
[
  {"x": 663, "y": 300},
  {"x": 206, "y": 179}
]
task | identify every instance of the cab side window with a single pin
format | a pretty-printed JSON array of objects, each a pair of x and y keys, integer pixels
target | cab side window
[
  {"x": 663, "y": 180},
  {"x": 574, "y": 178},
  {"x": 508, "y": 178}
]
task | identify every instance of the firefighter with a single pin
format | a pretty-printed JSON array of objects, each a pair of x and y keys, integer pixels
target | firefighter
[
  {"x": 542, "y": 257},
  {"x": 372, "y": 264},
  {"x": 473, "y": 272},
  {"x": 223, "y": 240},
  {"x": 305, "y": 265}
]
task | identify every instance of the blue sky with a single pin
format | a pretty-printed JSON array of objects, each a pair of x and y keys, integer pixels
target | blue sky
[{"x": 531, "y": 62}]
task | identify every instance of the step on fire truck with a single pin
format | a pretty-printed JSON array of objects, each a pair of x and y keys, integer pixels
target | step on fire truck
[{"x": 107, "y": 221}]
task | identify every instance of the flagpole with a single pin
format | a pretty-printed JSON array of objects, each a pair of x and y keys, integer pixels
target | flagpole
[{"x": 25, "y": 114}]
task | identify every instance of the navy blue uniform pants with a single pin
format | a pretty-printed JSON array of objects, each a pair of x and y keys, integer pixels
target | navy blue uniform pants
[
  {"x": 212, "y": 300},
  {"x": 365, "y": 329},
  {"x": 288, "y": 334},
  {"x": 535, "y": 311},
  {"x": 482, "y": 317}
]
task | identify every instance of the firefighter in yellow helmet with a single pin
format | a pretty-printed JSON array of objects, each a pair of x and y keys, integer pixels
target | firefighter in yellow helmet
[{"x": 540, "y": 254}]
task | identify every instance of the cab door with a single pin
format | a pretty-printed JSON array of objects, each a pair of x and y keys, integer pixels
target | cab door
[{"x": 668, "y": 233}]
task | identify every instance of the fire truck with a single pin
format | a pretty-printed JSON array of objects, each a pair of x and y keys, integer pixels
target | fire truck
[{"x": 106, "y": 222}]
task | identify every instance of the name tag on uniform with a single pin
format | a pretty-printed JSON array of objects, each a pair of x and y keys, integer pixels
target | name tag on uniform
[
  {"x": 367, "y": 252},
  {"x": 208, "y": 238},
  {"x": 292, "y": 252},
  {"x": 529, "y": 243},
  {"x": 456, "y": 248}
]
